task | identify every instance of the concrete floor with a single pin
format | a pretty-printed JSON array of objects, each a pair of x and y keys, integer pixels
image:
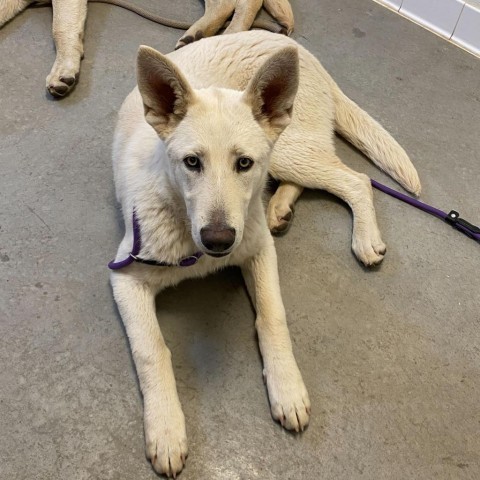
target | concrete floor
[{"x": 390, "y": 357}]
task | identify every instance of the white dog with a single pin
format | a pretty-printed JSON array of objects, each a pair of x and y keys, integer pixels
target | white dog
[{"x": 192, "y": 150}]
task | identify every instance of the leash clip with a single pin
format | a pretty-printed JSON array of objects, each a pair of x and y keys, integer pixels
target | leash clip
[{"x": 454, "y": 219}]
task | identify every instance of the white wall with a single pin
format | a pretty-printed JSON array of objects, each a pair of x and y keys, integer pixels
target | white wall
[{"x": 456, "y": 20}]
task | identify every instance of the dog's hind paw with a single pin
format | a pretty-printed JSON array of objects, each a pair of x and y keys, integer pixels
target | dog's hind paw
[
  {"x": 279, "y": 217},
  {"x": 281, "y": 207},
  {"x": 369, "y": 250}
]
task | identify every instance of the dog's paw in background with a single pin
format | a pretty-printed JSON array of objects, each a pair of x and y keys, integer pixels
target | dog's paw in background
[
  {"x": 215, "y": 16},
  {"x": 244, "y": 13},
  {"x": 281, "y": 11},
  {"x": 191, "y": 35},
  {"x": 63, "y": 77},
  {"x": 68, "y": 29}
]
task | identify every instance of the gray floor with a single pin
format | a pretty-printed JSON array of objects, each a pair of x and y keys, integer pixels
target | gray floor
[{"x": 390, "y": 356}]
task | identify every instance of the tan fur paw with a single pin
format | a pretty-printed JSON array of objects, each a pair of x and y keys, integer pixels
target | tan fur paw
[
  {"x": 61, "y": 80},
  {"x": 167, "y": 460},
  {"x": 289, "y": 401},
  {"x": 165, "y": 438},
  {"x": 370, "y": 251},
  {"x": 279, "y": 217},
  {"x": 281, "y": 11},
  {"x": 167, "y": 450},
  {"x": 186, "y": 39}
]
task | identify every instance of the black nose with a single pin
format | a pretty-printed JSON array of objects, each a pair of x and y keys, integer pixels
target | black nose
[{"x": 217, "y": 237}]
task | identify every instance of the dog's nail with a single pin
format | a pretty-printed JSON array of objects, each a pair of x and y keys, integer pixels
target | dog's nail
[
  {"x": 199, "y": 35},
  {"x": 298, "y": 426}
]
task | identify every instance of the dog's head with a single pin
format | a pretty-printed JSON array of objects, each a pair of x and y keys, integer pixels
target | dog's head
[{"x": 218, "y": 141}]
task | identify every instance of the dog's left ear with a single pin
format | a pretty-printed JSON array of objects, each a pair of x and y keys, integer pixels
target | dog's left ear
[
  {"x": 165, "y": 92},
  {"x": 271, "y": 92}
]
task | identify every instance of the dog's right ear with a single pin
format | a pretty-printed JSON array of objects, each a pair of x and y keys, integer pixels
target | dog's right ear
[{"x": 165, "y": 92}]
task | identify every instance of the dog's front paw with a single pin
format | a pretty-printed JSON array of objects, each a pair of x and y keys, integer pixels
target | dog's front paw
[
  {"x": 166, "y": 440},
  {"x": 369, "y": 248},
  {"x": 289, "y": 401},
  {"x": 62, "y": 79}
]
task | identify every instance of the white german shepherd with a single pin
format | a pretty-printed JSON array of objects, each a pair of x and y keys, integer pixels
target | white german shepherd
[{"x": 191, "y": 153}]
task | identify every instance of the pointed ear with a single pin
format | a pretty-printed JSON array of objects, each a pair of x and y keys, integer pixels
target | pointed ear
[
  {"x": 272, "y": 90},
  {"x": 165, "y": 92}
]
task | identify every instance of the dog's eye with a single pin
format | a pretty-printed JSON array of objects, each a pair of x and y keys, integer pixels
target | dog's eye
[
  {"x": 244, "y": 164},
  {"x": 192, "y": 163}
]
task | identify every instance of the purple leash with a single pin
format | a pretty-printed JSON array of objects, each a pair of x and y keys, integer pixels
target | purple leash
[{"x": 453, "y": 218}]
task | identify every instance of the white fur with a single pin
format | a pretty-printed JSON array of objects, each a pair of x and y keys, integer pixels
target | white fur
[{"x": 214, "y": 118}]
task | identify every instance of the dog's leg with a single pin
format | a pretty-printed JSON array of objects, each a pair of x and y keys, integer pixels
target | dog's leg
[
  {"x": 327, "y": 172},
  {"x": 164, "y": 422},
  {"x": 282, "y": 207},
  {"x": 68, "y": 26},
  {"x": 288, "y": 396},
  {"x": 281, "y": 11},
  {"x": 10, "y": 8},
  {"x": 216, "y": 14},
  {"x": 245, "y": 13}
]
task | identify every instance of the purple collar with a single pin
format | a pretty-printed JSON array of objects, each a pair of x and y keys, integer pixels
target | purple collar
[{"x": 137, "y": 245}]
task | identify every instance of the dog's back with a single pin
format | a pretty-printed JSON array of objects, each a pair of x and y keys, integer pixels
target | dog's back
[{"x": 320, "y": 107}]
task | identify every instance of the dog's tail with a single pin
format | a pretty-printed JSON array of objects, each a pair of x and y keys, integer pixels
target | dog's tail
[{"x": 374, "y": 141}]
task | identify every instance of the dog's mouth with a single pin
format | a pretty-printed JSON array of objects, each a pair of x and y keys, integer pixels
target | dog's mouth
[{"x": 217, "y": 255}]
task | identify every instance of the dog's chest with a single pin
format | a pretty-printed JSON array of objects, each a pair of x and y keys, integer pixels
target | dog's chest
[{"x": 165, "y": 237}]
